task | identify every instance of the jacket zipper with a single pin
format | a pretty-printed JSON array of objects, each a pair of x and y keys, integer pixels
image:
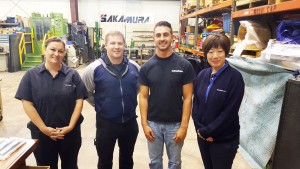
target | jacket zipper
[{"x": 120, "y": 79}]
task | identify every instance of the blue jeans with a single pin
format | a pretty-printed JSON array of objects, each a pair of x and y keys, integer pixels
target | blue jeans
[{"x": 164, "y": 133}]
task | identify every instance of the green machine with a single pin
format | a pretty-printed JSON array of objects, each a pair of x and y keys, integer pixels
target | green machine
[
  {"x": 53, "y": 25},
  {"x": 41, "y": 25},
  {"x": 96, "y": 47},
  {"x": 59, "y": 25}
]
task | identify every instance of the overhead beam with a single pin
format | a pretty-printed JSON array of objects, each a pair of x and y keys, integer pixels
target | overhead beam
[{"x": 74, "y": 10}]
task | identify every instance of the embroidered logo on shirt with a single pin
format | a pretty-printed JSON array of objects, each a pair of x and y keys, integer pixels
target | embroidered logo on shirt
[
  {"x": 220, "y": 90},
  {"x": 179, "y": 71},
  {"x": 70, "y": 85}
]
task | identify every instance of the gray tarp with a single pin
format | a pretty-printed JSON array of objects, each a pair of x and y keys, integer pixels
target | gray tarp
[{"x": 260, "y": 109}]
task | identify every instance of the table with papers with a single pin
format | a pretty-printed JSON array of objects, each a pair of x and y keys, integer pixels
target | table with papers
[{"x": 14, "y": 151}]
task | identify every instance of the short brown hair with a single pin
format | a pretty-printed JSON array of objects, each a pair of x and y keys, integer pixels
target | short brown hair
[
  {"x": 215, "y": 41},
  {"x": 114, "y": 33},
  {"x": 54, "y": 39},
  {"x": 163, "y": 23}
]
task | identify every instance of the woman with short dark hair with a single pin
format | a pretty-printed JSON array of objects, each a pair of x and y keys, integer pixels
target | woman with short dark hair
[{"x": 218, "y": 94}]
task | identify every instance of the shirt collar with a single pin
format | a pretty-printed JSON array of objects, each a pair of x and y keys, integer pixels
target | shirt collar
[
  {"x": 64, "y": 69},
  {"x": 108, "y": 62},
  {"x": 221, "y": 70}
]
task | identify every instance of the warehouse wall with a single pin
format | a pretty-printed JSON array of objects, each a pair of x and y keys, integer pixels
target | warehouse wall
[
  {"x": 24, "y": 8},
  {"x": 90, "y": 11}
]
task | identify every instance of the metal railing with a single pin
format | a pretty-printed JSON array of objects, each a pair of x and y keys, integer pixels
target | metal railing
[
  {"x": 46, "y": 36},
  {"x": 22, "y": 45}
]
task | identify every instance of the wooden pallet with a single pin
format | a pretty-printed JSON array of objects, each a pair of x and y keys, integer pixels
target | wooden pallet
[{"x": 249, "y": 53}]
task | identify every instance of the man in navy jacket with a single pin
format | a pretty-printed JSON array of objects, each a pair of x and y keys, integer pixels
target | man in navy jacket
[{"x": 112, "y": 83}]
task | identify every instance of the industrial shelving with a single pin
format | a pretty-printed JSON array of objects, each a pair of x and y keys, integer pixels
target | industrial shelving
[
  {"x": 267, "y": 9},
  {"x": 230, "y": 6},
  {"x": 207, "y": 12}
]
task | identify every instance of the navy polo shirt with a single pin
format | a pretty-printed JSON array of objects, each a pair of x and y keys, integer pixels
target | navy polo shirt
[{"x": 54, "y": 98}]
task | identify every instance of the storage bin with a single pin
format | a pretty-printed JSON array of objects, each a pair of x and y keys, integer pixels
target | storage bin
[
  {"x": 226, "y": 22},
  {"x": 10, "y": 19}
]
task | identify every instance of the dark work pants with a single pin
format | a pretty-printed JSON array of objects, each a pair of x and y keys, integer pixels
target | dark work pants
[
  {"x": 48, "y": 150},
  {"x": 218, "y": 155},
  {"x": 106, "y": 136}
]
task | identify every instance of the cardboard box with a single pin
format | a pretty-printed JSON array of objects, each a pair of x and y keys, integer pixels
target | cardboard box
[
  {"x": 209, "y": 3},
  {"x": 191, "y": 38},
  {"x": 190, "y": 42},
  {"x": 192, "y": 2},
  {"x": 190, "y": 29},
  {"x": 202, "y": 3}
]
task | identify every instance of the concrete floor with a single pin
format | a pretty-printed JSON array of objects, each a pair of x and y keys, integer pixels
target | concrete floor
[{"x": 15, "y": 120}]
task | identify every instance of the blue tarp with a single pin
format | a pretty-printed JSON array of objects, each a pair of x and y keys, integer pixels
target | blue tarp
[
  {"x": 288, "y": 31},
  {"x": 260, "y": 109}
]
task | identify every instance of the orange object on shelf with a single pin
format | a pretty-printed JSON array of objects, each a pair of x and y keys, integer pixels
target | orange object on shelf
[
  {"x": 176, "y": 42},
  {"x": 192, "y": 51}
]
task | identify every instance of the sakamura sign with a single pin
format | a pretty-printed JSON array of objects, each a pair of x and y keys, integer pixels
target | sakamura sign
[{"x": 125, "y": 19}]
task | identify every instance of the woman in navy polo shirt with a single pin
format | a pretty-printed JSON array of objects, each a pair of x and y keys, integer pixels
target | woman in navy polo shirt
[
  {"x": 218, "y": 94},
  {"x": 52, "y": 95}
]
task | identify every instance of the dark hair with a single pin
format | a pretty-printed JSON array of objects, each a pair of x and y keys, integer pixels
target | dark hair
[
  {"x": 114, "y": 33},
  {"x": 163, "y": 23},
  {"x": 54, "y": 39},
  {"x": 215, "y": 41}
]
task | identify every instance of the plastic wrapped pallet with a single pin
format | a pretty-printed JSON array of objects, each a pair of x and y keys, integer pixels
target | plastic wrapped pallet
[
  {"x": 283, "y": 55},
  {"x": 252, "y": 35}
]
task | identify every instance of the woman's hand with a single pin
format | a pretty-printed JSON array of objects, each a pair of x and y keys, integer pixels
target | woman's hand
[
  {"x": 53, "y": 133},
  {"x": 64, "y": 130}
]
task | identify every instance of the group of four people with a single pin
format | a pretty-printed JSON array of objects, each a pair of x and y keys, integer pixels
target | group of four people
[{"x": 52, "y": 95}]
